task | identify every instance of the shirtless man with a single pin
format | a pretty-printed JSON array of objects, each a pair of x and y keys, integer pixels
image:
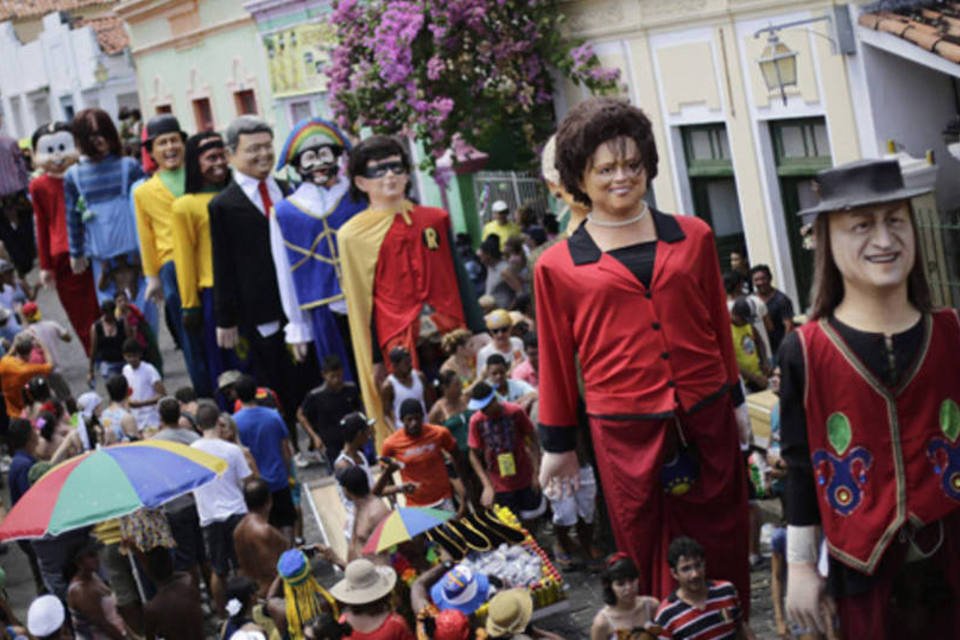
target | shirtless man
[
  {"x": 369, "y": 509},
  {"x": 174, "y": 612},
  {"x": 257, "y": 543}
]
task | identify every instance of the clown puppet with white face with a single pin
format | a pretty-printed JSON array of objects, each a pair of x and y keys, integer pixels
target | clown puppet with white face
[
  {"x": 54, "y": 152},
  {"x": 303, "y": 240}
]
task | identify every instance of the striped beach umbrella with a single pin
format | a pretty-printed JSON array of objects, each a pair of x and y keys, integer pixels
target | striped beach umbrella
[{"x": 107, "y": 483}]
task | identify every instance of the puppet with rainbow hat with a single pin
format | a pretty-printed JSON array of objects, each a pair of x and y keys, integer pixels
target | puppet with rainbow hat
[{"x": 303, "y": 239}]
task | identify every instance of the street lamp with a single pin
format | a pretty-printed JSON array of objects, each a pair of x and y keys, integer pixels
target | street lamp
[{"x": 778, "y": 64}]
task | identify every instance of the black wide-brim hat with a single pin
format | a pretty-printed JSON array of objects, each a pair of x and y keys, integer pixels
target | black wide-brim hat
[
  {"x": 857, "y": 184},
  {"x": 161, "y": 124}
]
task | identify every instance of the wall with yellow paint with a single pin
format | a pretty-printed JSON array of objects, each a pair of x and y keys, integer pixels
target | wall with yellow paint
[{"x": 688, "y": 62}]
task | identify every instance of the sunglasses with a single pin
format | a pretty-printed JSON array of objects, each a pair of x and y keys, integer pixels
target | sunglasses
[
  {"x": 379, "y": 170},
  {"x": 500, "y": 330}
]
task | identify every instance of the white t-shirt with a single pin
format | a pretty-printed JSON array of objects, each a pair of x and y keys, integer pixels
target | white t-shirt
[
  {"x": 48, "y": 333},
  {"x": 516, "y": 389},
  {"x": 141, "y": 381},
  {"x": 223, "y": 497},
  {"x": 513, "y": 357}
]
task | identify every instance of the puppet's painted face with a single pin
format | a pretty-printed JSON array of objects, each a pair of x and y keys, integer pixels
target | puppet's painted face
[
  {"x": 318, "y": 161},
  {"x": 56, "y": 152}
]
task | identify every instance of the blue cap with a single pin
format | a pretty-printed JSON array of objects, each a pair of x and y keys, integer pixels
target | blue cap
[{"x": 461, "y": 589}]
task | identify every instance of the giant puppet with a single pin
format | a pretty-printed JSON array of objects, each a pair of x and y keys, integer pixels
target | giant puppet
[
  {"x": 153, "y": 203},
  {"x": 207, "y": 174},
  {"x": 101, "y": 226},
  {"x": 400, "y": 277},
  {"x": 303, "y": 239},
  {"x": 54, "y": 152},
  {"x": 245, "y": 290},
  {"x": 870, "y": 422},
  {"x": 632, "y": 303}
]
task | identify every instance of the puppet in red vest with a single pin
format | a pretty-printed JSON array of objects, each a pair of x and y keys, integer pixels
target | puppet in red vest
[
  {"x": 54, "y": 151},
  {"x": 871, "y": 423}
]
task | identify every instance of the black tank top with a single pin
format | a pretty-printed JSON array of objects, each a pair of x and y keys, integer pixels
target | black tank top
[{"x": 110, "y": 348}]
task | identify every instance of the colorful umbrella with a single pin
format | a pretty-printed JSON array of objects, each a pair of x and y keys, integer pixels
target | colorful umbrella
[
  {"x": 108, "y": 483},
  {"x": 402, "y": 525}
]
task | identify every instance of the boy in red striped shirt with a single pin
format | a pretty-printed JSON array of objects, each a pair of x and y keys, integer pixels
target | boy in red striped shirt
[{"x": 699, "y": 609}]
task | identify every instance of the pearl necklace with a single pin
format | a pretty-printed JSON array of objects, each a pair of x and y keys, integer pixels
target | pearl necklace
[{"x": 619, "y": 223}]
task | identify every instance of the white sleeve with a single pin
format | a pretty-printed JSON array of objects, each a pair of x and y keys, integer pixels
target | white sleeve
[
  {"x": 802, "y": 544},
  {"x": 298, "y": 328}
]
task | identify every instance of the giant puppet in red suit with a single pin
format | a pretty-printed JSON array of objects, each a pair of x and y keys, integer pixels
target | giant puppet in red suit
[
  {"x": 54, "y": 151},
  {"x": 870, "y": 423},
  {"x": 636, "y": 296},
  {"x": 399, "y": 273}
]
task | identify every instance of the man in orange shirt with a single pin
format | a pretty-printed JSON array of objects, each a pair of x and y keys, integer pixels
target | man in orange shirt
[
  {"x": 418, "y": 451},
  {"x": 16, "y": 371}
]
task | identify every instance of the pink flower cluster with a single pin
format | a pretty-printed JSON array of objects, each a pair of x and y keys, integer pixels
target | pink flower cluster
[{"x": 443, "y": 69}]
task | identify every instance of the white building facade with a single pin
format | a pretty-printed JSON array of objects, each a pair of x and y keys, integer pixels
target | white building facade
[{"x": 64, "y": 70}]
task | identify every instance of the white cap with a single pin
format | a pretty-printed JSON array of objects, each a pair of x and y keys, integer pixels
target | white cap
[
  {"x": 499, "y": 206},
  {"x": 88, "y": 403},
  {"x": 45, "y": 616}
]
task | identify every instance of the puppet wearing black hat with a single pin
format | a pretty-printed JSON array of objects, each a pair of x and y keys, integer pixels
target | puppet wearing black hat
[{"x": 870, "y": 423}]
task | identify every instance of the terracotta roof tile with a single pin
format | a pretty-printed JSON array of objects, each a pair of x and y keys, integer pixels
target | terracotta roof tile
[
  {"x": 933, "y": 27},
  {"x": 36, "y": 8},
  {"x": 111, "y": 33}
]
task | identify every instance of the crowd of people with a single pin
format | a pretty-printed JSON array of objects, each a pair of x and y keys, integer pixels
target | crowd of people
[{"x": 537, "y": 373}]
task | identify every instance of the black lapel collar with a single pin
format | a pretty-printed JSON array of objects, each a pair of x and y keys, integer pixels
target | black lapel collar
[
  {"x": 668, "y": 229},
  {"x": 583, "y": 250}
]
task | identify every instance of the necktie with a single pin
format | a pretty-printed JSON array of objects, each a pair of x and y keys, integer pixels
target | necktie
[{"x": 265, "y": 197}]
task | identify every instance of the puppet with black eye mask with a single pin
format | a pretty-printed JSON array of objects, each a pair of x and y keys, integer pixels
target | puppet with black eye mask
[
  {"x": 54, "y": 152},
  {"x": 303, "y": 240}
]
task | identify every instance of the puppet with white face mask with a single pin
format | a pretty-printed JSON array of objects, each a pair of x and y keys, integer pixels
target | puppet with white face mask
[
  {"x": 303, "y": 240},
  {"x": 54, "y": 152}
]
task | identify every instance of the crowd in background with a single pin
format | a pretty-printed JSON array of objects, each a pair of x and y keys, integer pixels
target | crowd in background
[{"x": 464, "y": 440}]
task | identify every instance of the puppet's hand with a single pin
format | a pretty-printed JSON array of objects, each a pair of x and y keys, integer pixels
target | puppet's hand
[
  {"x": 47, "y": 278},
  {"x": 154, "y": 289},
  {"x": 300, "y": 350},
  {"x": 807, "y": 603},
  {"x": 560, "y": 473},
  {"x": 79, "y": 265},
  {"x": 227, "y": 337}
]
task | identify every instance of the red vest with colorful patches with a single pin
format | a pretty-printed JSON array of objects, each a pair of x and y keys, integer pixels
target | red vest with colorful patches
[{"x": 882, "y": 457}]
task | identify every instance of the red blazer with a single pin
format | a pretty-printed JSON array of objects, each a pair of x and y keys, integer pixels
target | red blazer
[{"x": 643, "y": 353}]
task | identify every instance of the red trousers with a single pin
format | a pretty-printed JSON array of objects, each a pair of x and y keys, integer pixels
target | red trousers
[
  {"x": 714, "y": 512},
  {"x": 916, "y": 600},
  {"x": 78, "y": 297}
]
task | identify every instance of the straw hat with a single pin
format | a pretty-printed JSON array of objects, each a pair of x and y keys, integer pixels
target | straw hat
[
  {"x": 509, "y": 612},
  {"x": 364, "y": 582},
  {"x": 228, "y": 378}
]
